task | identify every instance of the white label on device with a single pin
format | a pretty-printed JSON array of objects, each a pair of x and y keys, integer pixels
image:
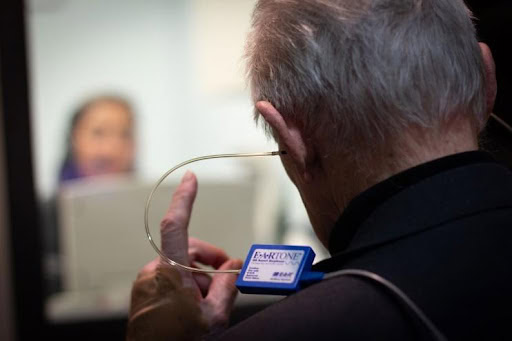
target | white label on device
[{"x": 273, "y": 265}]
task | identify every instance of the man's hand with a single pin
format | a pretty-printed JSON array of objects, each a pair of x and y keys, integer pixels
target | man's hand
[{"x": 212, "y": 296}]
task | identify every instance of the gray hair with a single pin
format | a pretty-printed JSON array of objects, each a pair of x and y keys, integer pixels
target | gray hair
[{"x": 363, "y": 70}]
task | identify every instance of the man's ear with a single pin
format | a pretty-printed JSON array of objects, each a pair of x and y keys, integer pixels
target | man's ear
[
  {"x": 288, "y": 136},
  {"x": 491, "y": 85}
]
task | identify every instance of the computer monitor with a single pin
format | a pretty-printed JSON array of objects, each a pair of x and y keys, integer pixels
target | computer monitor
[{"x": 103, "y": 242}]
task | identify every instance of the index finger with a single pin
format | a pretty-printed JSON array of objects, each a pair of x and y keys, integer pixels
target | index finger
[{"x": 174, "y": 225}]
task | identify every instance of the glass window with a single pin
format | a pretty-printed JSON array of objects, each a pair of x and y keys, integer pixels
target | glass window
[{"x": 121, "y": 91}]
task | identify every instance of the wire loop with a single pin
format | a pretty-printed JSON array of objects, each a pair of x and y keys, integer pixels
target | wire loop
[{"x": 169, "y": 172}]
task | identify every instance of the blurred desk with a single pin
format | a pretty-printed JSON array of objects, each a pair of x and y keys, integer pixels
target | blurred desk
[{"x": 69, "y": 307}]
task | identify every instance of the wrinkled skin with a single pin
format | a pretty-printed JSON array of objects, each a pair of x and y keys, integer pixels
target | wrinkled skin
[{"x": 172, "y": 304}]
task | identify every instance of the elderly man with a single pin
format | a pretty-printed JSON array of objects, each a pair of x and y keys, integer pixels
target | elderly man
[{"x": 379, "y": 105}]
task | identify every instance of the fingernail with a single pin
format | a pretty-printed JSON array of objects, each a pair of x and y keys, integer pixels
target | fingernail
[
  {"x": 238, "y": 264},
  {"x": 187, "y": 177}
]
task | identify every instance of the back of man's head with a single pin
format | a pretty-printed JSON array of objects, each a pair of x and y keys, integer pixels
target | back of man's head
[{"x": 361, "y": 72}]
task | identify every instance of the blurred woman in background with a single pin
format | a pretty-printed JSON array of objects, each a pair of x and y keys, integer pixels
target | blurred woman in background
[{"x": 100, "y": 139}]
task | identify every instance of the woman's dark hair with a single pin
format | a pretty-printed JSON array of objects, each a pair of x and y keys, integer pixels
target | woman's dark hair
[{"x": 68, "y": 170}]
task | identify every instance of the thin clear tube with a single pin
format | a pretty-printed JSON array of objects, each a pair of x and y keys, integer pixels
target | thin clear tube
[{"x": 159, "y": 182}]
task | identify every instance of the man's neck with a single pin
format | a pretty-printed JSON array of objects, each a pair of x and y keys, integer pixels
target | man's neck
[{"x": 346, "y": 181}]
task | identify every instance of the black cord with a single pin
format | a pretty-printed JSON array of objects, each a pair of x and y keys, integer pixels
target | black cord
[{"x": 436, "y": 333}]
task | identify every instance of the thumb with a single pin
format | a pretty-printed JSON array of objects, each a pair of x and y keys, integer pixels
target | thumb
[{"x": 222, "y": 294}]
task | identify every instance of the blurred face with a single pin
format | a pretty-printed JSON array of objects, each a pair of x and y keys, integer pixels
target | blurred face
[{"x": 103, "y": 141}]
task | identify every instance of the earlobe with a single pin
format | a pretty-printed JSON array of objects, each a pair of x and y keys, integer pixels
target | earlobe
[
  {"x": 491, "y": 86},
  {"x": 288, "y": 135}
]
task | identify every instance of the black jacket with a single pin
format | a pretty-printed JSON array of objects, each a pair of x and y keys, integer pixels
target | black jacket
[{"x": 441, "y": 232}]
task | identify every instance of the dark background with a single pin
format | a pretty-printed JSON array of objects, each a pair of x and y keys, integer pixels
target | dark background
[{"x": 492, "y": 22}]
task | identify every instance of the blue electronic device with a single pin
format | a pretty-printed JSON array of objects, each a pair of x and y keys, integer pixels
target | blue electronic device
[{"x": 277, "y": 270}]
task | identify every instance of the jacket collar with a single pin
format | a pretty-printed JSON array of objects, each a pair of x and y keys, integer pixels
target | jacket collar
[{"x": 421, "y": 198}]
